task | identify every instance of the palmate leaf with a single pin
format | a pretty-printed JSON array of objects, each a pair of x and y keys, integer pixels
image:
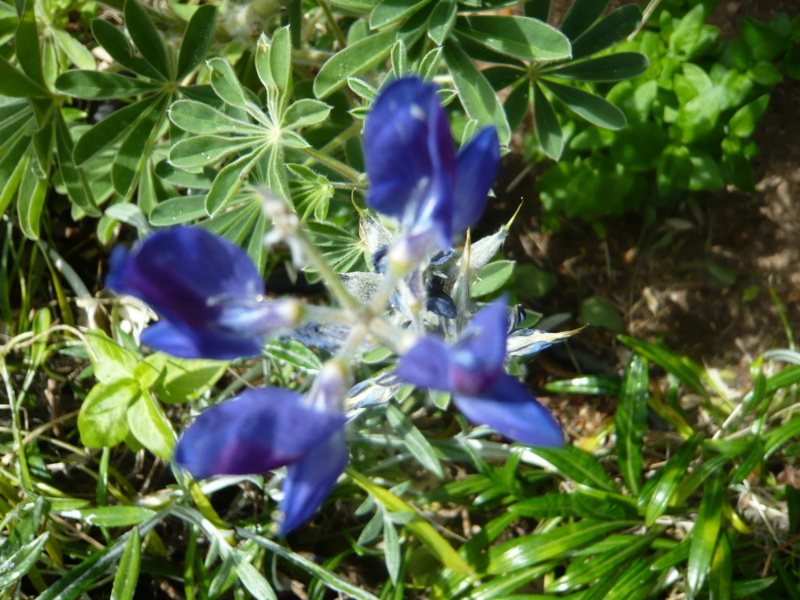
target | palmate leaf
[
  {"x": 351, "y": 61},
  {"x": 344, "y": 250},
  {"x": 519, "y": 37}
]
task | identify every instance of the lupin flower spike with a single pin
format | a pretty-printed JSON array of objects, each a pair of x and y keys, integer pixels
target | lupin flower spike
[
  {"x": 414, "y": 172},
  {"x": 472, "y": 369},
  {"x": 207, "y": 292}
]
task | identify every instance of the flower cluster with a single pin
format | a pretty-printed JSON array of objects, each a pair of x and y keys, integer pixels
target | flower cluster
[{"x": 211, "y": 302}]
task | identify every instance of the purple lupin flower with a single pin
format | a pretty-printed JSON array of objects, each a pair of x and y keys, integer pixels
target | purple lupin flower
[
  {"x": 266, "y": 428},
  {"x": 207, "y": 292},
  {"x": 415, "y": 174},
  {"x": 472, "y": 369}
]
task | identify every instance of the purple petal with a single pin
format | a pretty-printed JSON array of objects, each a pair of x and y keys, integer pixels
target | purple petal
[
  {"x": 259, "y": 430},
  {"x": 309, "y": 481},
  {"x": 187, "y": 343},
  {"x": 427, "y": 364},
  {"x": 510, "y": 408},
  {"x": 478, "y": 164},
  {"x": 177, "y": 271},
  {"x": 482, "y": 345},
  {"x": 409, "y": 153}
]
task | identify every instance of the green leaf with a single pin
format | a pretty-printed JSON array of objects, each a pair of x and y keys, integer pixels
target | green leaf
[
  {"x": 102, "y": 420},
  {"x": 12, "y": 166},
  {"x": 133, "y": 151},
  {"x": 529, "y": 550},
  {"x": 293, "y": 353},
  {"x": 669, "y": 479},
  {"x": 198, "y": 151},
  {"x": 611, "y": 29},
  {"x": 175, "y": 211},
  {"x": 26, "y": 42},
  {"x": 79, "y": 54},
  {"x": 16, "y": 84},
  {"x": 197, "y": 39},
  {"x": 351, "y": 61},
  {"x": 520, "y": 37},
  {"x": 306, "y": 112},
  {"x": 492, "y": 277},
  {"x": 387, "y": 12},
  {"x": 391, "y": 548},
  {"x": 30, "y": 201},
  {"x": 601, "y": 312},
  {"x": 116, "y": 44},
  {"x": 721, "y": 576},
  {"x": 475, "y": 92},
  {"x": 743, "y": 122},
  {"x": 199, "y": 118},
  {"x": 109, "y": 130},
  {"x": 588, "y": 384},
  {"x": 423, "y": 530},
  {"x": 280, "y": 60},
  {"x": 110, "y": 360},
  {"x": 229, "y": 180},
  {"x": 581, "y": 15},
  {"x": 17, "y": 565},
  {"x": 548, "y": 131},
  {"x": 764, "y": 41},
  {"x": 113, "y": 516},
  {"x": 594, "y": 109},
  {"x": 704, "y": 534},
  {"x": 578, "y": 465},
  {"x": 683, "y": 368},
  {"x": 416, "y": 443},
  {"x": 614, "y": 67},
  {"x": 442, "y": 20},
  {"x": 328, "y": 579},
  {"x": 129, "y": 214},
  {"x": 128, "y": 569},
  {"x": 144, "y": 34},
  {"x": 75, "y": 180},
  {"x": 226, "y": 83},
  {"x": 631, "y": 421},
  {"x": 150, "y": 426},
  {"x": 77, "y": 580},
  {"x": 184, "y": 380},
  {"x": 97, "y": 85}
]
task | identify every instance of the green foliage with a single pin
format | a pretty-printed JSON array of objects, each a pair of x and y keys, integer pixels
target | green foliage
[{"x": 690, "y": 118}]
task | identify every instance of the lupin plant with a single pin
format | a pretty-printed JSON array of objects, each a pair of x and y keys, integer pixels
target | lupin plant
[{"x": 212, "y": 305}]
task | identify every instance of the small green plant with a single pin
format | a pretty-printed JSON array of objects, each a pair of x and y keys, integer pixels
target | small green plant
[{"x": 690, "y": 119}]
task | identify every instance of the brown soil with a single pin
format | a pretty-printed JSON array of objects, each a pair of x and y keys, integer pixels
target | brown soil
[{"x": 661, "y": 277}]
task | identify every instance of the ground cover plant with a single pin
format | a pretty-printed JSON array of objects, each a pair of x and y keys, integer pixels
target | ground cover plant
[{"x": 258, "y": 339}]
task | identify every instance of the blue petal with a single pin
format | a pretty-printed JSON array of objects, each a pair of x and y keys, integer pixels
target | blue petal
[
  {"x": 482, "y": 345},
  {"x": 184, "y": 342},
  {"x": 176, "y": 271},
  {"x": 478, "y": 164},
  {"x": 259, "y": 430},
  {"x": 309, "y": 481},
  {"x": 510, "y": 408},
  {"x": 409, "y": 151},
  {"x": 427, "y": 364}
]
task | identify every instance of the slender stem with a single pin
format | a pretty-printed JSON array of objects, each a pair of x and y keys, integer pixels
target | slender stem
[
  {"x": 14, "y": 401},
  {"x": 334, "y": 164},
  {"x": 334, "y": 25},
  {"x": 329, "y": 276}
]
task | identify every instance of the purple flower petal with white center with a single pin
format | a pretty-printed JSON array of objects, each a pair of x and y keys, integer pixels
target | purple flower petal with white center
[
  {"x": 259, "y": 430},
  {"x": 472, "y": 370},
  {"x": 206, "y": 290},
  {"x": 414, "y": 172},
  {"x": 508, "y": 407},
  {"x": 309, "y": 481}
]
